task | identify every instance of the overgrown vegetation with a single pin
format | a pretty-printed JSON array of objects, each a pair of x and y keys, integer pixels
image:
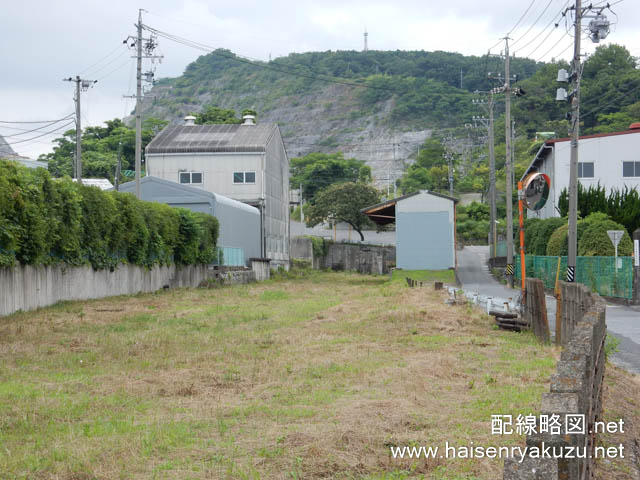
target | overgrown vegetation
[{"x": 45, "y": 221}]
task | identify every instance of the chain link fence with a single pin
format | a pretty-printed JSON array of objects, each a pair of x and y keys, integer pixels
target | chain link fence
[{"x": 601, "y": 274}]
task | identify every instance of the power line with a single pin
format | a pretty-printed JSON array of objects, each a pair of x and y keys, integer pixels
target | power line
[
  {"x": 124, "y": 53},
  {"x": 602, "y": 107},
  {"x": 551, "y": 22},
  {"x": 533, "y": 24},
  {"x": 103, "y": 58},
  {"x": 522, "y": 17},
  {"x": 58, "y": 130},
  {"x": 127, "y": 62},
  {"x": 23, "y": 131},
  {"x": 38, "y": 121}
]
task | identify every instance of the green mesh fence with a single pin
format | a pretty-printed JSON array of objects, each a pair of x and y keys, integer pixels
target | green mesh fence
[
  {"x": 600, "y": 274},
  {"x": 501, "y": 249}
]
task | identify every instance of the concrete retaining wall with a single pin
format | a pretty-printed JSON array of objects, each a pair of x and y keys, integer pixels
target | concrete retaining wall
[
  {"x": 26, "y": 287},
  {"x": 370, "y": 259},
  {"x": 302, "y": 248},
  {"x": 363, "y": 258},
  {"x": 576, "y": 388}
]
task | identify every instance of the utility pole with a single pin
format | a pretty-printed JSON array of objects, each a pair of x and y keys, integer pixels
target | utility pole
[
  {"x": 509, "y": 190},
  {"x": 366, "y": 40},
  {"x": 139, "y": 103},
  {"x": 149, "y": 46},
  {"x": 301, "y": 210},
  {"x": 395, "y": 173},
  {"x": 573, "y": 165},
  {"x": 119, "y": 166},
  {"x": 492, "y": 169},
  {"x": 599, "y": 29},
  {"x": 81, "y": 86},
  {"x": 450, "y": 168}
]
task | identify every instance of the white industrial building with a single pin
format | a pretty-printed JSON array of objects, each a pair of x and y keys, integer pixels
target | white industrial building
[
  {"x": 246, "y": 162},
  {"x": 610, "y": 159}
]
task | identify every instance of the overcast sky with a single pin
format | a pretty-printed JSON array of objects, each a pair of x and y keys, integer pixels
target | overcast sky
[{"x": 44, "y": 41}]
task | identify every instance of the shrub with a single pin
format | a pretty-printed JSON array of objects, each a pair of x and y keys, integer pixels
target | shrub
[
  {"x": 559, "y": 242},
  {"x": 596, "y": 242},
  {"x": 45, "y": 221},
  {"x": 531, "y": 226},
  {"x": 542, "y": 233}
]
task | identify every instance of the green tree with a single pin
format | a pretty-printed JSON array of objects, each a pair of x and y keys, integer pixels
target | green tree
[
  {"x": 316, "y": 171},
  {"x": 216, "y": 115},
  {"x": 100, "y": 148},
  {"x": 343, "y": 202}
]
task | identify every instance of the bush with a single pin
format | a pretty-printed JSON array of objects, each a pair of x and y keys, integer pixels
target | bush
[
  {"x": 596, "y": 242},
  {"x": 542, "y": 233},
  {"x": 531, "y": 226},
  {"x": 46, "y": 221},
  {"x": 559, "y": 242}
]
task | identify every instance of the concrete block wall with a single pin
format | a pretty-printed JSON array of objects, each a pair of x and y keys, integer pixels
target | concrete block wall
[
  {"x": 26, "y": 287},
  {"x": 576, "y": 388}
]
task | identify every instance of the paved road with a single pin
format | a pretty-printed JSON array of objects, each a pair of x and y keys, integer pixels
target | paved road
[{"x": 622, "y": 322}]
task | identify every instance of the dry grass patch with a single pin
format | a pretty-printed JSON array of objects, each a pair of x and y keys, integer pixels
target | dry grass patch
[{"x": 312, "y": 377}]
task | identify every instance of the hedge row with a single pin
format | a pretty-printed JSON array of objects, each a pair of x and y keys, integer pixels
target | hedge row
[
  {"x": 550, "y": 237},
  {"x": 45, "y": 221}
]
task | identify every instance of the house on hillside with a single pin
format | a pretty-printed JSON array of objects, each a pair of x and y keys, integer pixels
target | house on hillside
[
  {"x": 611, "y": 159},
  {"x": 246, "y": 162},
  {"x": 425, "y": 229},
  {"x": 239, "y": 235}
]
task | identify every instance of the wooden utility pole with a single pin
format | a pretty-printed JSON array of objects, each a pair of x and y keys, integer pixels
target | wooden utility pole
[{"x": 575, "y": 133}]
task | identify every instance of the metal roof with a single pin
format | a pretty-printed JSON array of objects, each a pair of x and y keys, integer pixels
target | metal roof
[
  {"x": 548, "y": 145},
  {"x": 595, "y": 135},
  {"x": 212, "y": 138},
  {"x": 101, "y": 183},
  {"x": 183, "y": 193}
]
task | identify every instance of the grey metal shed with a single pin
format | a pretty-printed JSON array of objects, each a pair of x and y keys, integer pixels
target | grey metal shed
[
  {"x": 425, "y": 229},
  {"x": 239, "y": 222}
]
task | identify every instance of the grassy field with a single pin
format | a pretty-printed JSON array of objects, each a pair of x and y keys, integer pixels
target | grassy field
[{"x": 308, "y": 377}]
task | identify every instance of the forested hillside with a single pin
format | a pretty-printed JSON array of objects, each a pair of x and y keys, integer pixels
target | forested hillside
[{"x": 381, "y": 106}]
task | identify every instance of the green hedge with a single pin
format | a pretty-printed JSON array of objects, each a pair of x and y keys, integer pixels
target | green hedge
[
  {"x": 45, "y": 221},
  {"x": 539, "y": 233},
  {"x": 595, "y": 241}
]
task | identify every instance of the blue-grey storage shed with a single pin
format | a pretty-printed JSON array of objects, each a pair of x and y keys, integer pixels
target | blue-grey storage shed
[
  {"x": 425, "y": 229},
  {"x": 239, "y": 223}
]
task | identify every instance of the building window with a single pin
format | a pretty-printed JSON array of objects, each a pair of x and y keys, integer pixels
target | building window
[
  {"x": 631, "y": 169},
  {"x": 585, "y": 169},
  {"x": 191, "y": 177},
  {"x": 244, "y": 177}
]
